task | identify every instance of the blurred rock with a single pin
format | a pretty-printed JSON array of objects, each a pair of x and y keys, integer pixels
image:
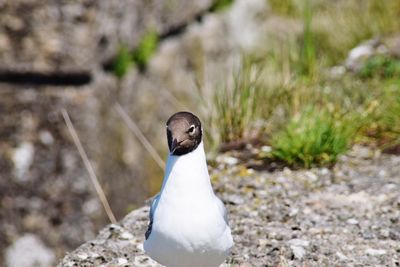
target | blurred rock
[
  {"x": 298, "y": 252},
  {"x": 375, "y": 252},
  {"x": 77, "y": 36},
  {"x": 299, "y": 242},
  {"x": 357, "y": 56},
  {"x": 46, "y": 138},
  {"x": 22, "y": 159},
  {"x": 29, "y": 250},
  {"x": 359, "y": 53}
]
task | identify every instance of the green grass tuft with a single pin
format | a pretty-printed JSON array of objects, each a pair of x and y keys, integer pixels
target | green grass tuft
[
  {"x": 123, "y": 62},
  {"x": 220, "y": 5},
  {"x": 315, "y": 137},
  {"x": 308, "y": 47},
  {"x": 236, "y": 104},
  {"x": 125, "y": 59},
  {"x": 145, "y": 49},
  {"x": 380, "y": 66},
  {"x": 386, "y": 126}
]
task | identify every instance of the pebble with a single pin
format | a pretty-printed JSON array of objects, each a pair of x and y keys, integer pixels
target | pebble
[
  {"x": 227, "y": 160},
  {"x": 341, "y": 256},
  {"x": 382, "y": 173},
  {"x": 324, "y": 171},
  {"x": 82, "y": 256},
  {"x": 122, "y": 261},
  {"x": 299, "y": 242},
  {"x": 126, "y": 236},
  {"x": 352, "y": 221},
  {"x": 46, "y": 137},
  {"x": 23, "y": 159},
  {"x": 266, "y": 149},
  {"x": 362, "y": 51},
  {"x": 293, "y": 212},
  {"x": 311, "y": 176},
  {"x": 262, "y": 242},
  {"x": 375, "y": 252},
  {"x": 298, "y": 252},
  {"x": 235, "y": 199}
]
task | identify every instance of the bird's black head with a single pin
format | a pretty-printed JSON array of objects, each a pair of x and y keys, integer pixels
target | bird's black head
[{"x": 184, "y": 133}]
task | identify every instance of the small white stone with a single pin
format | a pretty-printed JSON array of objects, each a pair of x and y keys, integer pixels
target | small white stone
[
  {"x": 375, "y": 252},
  {"x": 94, "y": 255},
  {"x": 266, "y": 149},
  {"x": 115, "y": 227},
  {"x": 126, "y": 236},
  {"x": 140, "y": 247},
  {"x": 299, "y": 242},
  {"x": 122, "y": 261},
  {"x": 82, "y": 256},
  {"x": 324, "y": 171},
  {"x": 293, "y": 212},
  {"x": 287, "y": 171},
  {"x": 23, "y": 158},
  {"x": 311, "y": 176},
  {"x": 68, "y": 264},
  {"x": 341, "y": 256},
  {"x": 352, "y": 221},
  {"x": 298, "y": 252},
  {"x": 231, "y": 160},
  {"x": 262, "y": 242},
  {"x": 46, "y": 138},
  {"x": 384, "y": 232},
  {"x": 357, "y": 53},
  {"x": 307, "y": 210}
]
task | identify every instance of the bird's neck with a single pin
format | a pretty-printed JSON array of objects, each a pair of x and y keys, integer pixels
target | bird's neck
[{"x": 187, "y": 173}]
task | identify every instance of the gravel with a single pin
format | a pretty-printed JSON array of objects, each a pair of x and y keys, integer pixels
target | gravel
[{"x": 345, "y": 216}]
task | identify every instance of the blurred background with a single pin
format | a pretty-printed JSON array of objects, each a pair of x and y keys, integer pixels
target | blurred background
[{"x": 303, "y": 80}]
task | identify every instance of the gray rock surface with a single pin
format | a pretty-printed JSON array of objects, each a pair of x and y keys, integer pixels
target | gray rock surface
[
  {"x": 65, "y": 36},
  {"x": 389, "y": 46},
  {"x": 291, "y": 218},
  {"x": 29, "y": 250}
]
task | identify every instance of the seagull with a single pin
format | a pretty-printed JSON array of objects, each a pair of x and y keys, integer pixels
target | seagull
[{"x": 188, "y": 223}]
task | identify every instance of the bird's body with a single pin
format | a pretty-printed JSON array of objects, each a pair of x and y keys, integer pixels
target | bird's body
[{"x": 188, "y": 225}]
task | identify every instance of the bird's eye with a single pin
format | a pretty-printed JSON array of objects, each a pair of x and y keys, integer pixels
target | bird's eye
[{"x": 191, "y": 129}]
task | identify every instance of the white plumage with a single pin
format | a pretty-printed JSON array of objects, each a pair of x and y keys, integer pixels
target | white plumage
[{"x": 189, "y": 224}]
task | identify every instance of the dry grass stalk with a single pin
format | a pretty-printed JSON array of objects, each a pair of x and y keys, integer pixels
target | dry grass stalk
[{"x": 88, "y": 166}]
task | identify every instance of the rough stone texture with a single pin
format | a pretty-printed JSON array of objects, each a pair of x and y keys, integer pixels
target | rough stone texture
[
  {"x": 43, "y": 186},
  {"x": 347, "y": 216},
  {"x": 389, "y": 46},
  {"x": 54, "y": 36},
  {"x": 34, "y": 251}
]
